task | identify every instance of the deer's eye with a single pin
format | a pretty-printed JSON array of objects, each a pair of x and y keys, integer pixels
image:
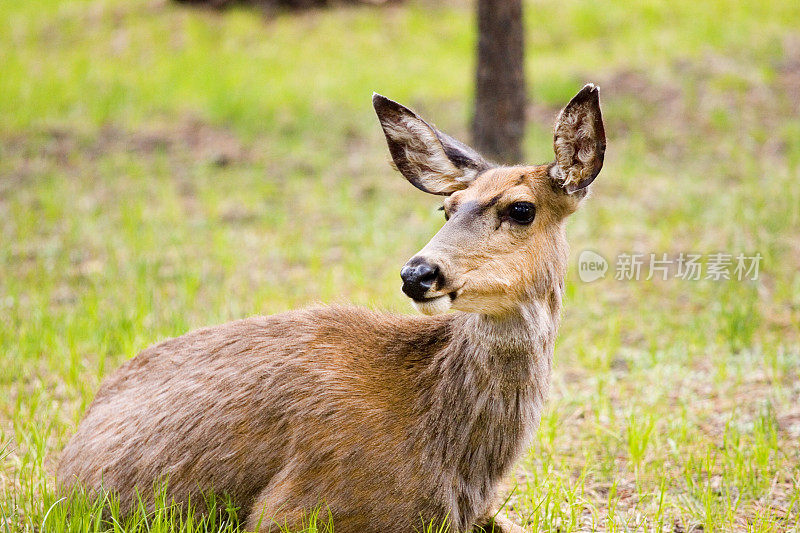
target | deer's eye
[{"x": 521, "y": 212}]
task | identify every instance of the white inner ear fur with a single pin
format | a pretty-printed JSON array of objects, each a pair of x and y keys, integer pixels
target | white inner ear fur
[
  {"x": 426, "y": 156},
  {"x": 556, "y": 173},
  {"x": 574, "y": 131}
]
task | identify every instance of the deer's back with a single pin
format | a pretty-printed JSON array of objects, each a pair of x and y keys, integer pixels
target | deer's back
[{"x": 231, "y": 407}]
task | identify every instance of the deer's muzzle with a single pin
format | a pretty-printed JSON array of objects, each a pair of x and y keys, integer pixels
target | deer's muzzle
[{"x": 419, "y": 276}]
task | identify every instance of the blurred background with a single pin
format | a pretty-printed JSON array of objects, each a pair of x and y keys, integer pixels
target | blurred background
[{"x": 171, "y": 165}]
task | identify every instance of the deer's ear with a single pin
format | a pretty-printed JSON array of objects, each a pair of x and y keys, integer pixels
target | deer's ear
[
  {"x": 431, "y": 160},
  {"x": 579, "y": 141}
]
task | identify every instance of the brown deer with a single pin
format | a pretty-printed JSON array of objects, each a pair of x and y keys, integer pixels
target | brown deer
[{"x": 385, "y": 420}]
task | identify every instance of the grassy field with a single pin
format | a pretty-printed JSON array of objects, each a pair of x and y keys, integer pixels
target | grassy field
[{"x": 165, "y": 168}]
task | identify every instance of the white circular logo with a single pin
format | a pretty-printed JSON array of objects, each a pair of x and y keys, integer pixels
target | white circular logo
[{"x": 591, "y": 266}]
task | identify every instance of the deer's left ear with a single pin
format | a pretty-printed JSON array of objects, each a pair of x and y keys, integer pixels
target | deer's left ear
[
  {"x": 430, "y": 159},
  {"x": 579, "y": 141}
]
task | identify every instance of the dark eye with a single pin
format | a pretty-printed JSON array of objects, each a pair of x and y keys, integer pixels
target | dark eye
[{"x": 521, "y": 212}]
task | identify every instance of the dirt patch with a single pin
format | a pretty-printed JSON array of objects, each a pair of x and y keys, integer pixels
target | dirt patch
[
  {"x": 188, "y": 136},
  {"x": 270, "y": 7},
  {"x": 789, "y": 71},
  {"x": 188, "y": 140}
]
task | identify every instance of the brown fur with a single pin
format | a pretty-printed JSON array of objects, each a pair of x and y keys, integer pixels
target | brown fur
[{"x": 386, "y": 420}]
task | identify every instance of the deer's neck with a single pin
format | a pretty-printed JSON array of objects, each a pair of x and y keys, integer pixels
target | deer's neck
[
  {"x": 486, "y": 399},
  {"x": 516, "y": 348},
  {"x": 501, "y": 366}
]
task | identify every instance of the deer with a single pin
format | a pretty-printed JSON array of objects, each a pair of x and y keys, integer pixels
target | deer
[{"x": 386, "y": 420}]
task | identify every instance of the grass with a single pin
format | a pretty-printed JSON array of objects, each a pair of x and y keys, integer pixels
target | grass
[{"x": 165, "y": 168}]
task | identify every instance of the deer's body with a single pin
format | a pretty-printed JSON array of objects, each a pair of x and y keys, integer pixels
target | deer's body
[
  {"x": 387, "y": 420},
  {"x": 232, "y": 407}
]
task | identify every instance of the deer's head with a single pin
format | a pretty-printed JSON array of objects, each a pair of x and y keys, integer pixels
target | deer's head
[{"x": 503, "y": 242}]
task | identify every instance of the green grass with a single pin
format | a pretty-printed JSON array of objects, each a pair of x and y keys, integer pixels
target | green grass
[{"x": 165, "y": 168}]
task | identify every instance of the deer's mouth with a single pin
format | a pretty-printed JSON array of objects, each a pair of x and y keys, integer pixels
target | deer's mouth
[{"x": 435, "y": 305}]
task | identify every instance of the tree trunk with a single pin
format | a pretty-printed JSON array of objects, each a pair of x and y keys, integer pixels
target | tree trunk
[{"x": 499, "y": 120}]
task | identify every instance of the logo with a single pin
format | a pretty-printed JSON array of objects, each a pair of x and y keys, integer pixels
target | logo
[{"x": 591, "y": 266}]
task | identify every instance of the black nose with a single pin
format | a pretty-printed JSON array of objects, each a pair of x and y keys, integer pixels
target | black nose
[{"x": 418, "y": 277}]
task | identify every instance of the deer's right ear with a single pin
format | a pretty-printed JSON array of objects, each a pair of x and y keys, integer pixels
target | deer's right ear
[
  {"x": 579, "y": 141},
  {"x": 431, "y": 160}
]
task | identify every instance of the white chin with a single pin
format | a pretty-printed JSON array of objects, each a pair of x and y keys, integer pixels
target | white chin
[{"x": 433, "y": 306}]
